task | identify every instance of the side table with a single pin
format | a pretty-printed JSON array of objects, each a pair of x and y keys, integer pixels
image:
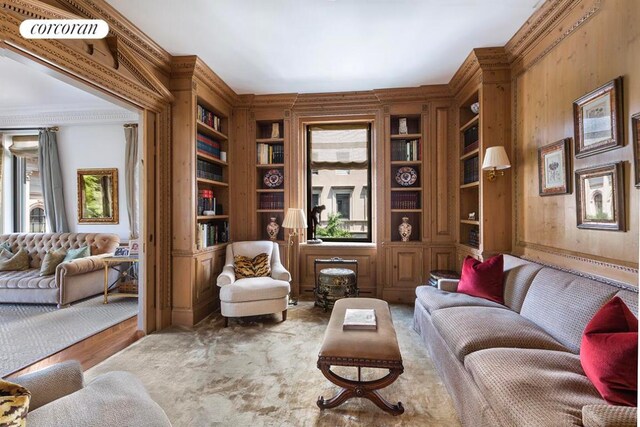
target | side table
[
  {"x": 116, "y": 263},
  {"x": 334, "y": 283}
]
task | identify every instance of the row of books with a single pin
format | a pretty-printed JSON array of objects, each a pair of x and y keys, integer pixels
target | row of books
[
  {"x": 208, "y": 170},
  {"x": 270, "y": 153},
  {"x": 208, "y": 146},
  {"x": 470, "y": 170},
  {"x": 405, "y": 200},
  {"x": 474, "y": 237},
  {"x": 470, "y": 136},
  {"x": 212, "y": 233},
  {"x": 271, "y": 201},
  {"x": 404, "y": 150},
  {"x": 207, "y": 202},
  {"x": 208, "y": 118}
]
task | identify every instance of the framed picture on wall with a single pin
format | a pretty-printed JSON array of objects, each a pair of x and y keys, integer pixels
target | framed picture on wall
[
  {"x": 635, "y": 128},
  {"x": 600, "y": 197},
  {"x": 597, "y": 119},
  {"x": 553, "y": 168}
]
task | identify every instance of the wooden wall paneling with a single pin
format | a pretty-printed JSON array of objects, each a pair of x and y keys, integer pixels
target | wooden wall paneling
[
  {"x": 240, "y": 177},
  {"x": 442, "y": 258},
  {"x": 405, "y": 271},
  {"x": 555, "y": 63},
  {"x": 444, "y": 148}
]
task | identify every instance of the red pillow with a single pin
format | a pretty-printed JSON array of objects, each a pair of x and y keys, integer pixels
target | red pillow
[
  {"x": 483, "y": 279},
  {"x": 609, "y": 353}
]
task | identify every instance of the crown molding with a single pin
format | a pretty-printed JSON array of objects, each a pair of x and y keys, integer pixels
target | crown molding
[
  {"x": 279, "y": 100},
  {"x": 412, "y": 94},
  {"x": 192, "y": 67},
  {"x": 58, "y": 117},
  {"x": 479, "y": 59}
]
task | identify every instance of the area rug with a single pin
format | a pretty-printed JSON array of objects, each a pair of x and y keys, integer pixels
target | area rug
[
  {"x": 262, "y": 372},
  {"x": 30, "y": 332}
]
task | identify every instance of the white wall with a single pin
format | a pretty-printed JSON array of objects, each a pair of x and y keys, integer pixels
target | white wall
[{"x": 92, "y": 146}]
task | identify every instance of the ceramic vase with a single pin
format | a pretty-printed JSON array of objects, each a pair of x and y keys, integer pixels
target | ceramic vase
[
  {"x": 405, "y": 229},
  {"x": 273, "y": 228}
]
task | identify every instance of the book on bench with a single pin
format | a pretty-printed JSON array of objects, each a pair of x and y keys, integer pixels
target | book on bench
[{"x": 359, "y": 319}]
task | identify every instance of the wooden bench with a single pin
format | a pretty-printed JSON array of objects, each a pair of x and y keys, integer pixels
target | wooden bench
[{"x": 361, "y": 349}]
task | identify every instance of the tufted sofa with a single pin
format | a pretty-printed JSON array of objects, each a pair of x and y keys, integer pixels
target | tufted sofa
[
  {"x": 71, "y": 282},
  {"x": 518, "y": 364}
]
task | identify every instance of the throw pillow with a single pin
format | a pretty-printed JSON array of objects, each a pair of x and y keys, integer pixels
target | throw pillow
[
  {"x": 51, "y": 261},
  {"x": 483, "y": 279},
  {"x": 609, "y": 353},
  {"x": 245, "y": 267},
  {"x": 6, "y": 246},
  {"x": 18, "y": 262},
  {"x": 81, "y": 252},
  {"x": 14, "y": 404}
]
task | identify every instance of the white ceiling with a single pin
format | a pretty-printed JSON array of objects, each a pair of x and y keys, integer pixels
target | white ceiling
[{"x": 303, "y": 46}]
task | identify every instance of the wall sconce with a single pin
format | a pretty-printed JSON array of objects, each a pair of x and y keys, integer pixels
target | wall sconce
[{"x": 495, "y": 161}]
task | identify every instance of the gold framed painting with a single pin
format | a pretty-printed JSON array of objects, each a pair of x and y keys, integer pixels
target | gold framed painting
[
  {"x": 635, "y": 128},
  {"x": 98, "y": 196},
  {"x": 553, "y": 168},
  {"x": 600, "y": 197},
  {"x": 597, "y": 118}
]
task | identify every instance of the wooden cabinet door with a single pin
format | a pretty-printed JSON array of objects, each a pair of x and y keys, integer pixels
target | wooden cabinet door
[
  {"x": 205, "y": 277},
  {"x": 406, "y": 267}
]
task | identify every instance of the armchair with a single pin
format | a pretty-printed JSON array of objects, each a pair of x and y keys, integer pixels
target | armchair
[{"x": 255, "y": 295}]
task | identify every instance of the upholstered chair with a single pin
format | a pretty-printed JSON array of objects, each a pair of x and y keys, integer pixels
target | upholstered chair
[{"x": 253, "y": 296}]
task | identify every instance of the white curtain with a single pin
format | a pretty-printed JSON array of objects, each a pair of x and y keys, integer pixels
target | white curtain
[
  {"x": 131, "y": 162},
  {"x": 51, "y": 174}
]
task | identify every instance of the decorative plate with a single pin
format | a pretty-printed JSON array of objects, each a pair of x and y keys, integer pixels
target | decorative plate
[
  {"x": 406, "y": 176},
  {"x": 273, "y": 178}
]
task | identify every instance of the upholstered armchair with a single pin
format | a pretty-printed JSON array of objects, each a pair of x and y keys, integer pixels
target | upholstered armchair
[{"x": 253, "y": 296}]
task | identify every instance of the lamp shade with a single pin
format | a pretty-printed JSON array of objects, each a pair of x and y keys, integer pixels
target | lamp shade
[
  {"x": 495, "y": 158},
  {"x": 295, "y": 219}
]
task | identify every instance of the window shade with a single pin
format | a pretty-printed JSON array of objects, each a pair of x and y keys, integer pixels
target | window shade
[
  {"x": 339, "y": 146},
  {"x": 24, "y": 146}
]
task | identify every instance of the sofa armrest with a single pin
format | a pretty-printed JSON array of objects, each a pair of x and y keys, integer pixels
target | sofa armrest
[
  {"x": 278, "y": 272},
  {"x": 51, "y": 383},
  {"x": 81, "y": 265},
  {"x": 609, "y": 415},
  {"x": 227, "y": 276},
  {"x": 449, "y": 285}
]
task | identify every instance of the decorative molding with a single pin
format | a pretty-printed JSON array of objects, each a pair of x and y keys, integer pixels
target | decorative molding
[
  {"x": 489, "y": 58},
  {"x": 36, "y": 10},
  {"x": 65, "y": 117},
  {"x": 413, "y": 94},
  {"x": 190, "y": 67}
]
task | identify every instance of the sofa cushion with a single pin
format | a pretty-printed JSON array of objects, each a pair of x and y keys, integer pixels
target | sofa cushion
[
  {"x": 81, "y": 252},
  {"x": 14, "y": 404},
  {"x": 434, "y": 299},
  {"x": 563, "y": 303},
  {"x": 112, "y": 399},
  {"x": 609, "y": 353},
  {"x": 469, "y": 329},
  {"x": 17, "y": 262},
  {"x": 254, "y": 289},
  {"x": 26, "y": 279},
  {"x": 245, "y": 267},
  {"x": 518, "y": 275},
  {"x": 483, "y": 279},
  {"x": 51, "y": 260},
  {"x": 530, "y": 387}
]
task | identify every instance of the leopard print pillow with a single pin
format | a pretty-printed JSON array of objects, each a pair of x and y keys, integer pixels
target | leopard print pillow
[
  {"x": 14, "y": 404},
  {"x": 246, "y": 267}
]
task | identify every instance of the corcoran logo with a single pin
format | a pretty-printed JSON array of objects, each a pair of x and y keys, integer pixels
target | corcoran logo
[{"x": 64, "y": 29}]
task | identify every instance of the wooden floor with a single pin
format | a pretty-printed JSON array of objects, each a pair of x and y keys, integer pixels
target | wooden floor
[{"x": 93, "y": 350}]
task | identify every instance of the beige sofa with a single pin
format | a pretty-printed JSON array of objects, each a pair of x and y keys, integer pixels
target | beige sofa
[
  {"x": 71, "y": 282},
  {"x": 519, "y": 364},
  {"x": 59, "y": 397}
]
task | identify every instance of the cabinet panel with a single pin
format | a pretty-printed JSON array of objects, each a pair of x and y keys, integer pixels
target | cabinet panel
[
  {"x": 205, "y": 276},
  {"x": 406, "y": 267}
]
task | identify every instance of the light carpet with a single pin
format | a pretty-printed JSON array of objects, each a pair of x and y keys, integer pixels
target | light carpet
[
  {"x": 262, "y": 372},
  {"x": 30, "y": 332}
]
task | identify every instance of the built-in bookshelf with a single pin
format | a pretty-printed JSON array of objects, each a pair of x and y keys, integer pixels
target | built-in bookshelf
[
  {"x": 469, "y": 181},
  {"x": 211, "y": 177},
  {"x": 270, "y": 176},
  {"x": 406, "y": 148}
]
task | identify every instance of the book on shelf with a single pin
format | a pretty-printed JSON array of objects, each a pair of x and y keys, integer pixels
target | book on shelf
[
  {"x": 469, "y": 148},
  {"x": 270, "y": 153},
  {"x": 474, "y": 237},
  {"x": 209, "y": 118},
  {"x": 470, "y": 170},
  {"x": 208, "y": 170},
  {"x": 405, "y": 200},
  {"x": 470, "y": 136},
  {"x": 212, "y": 233},
  {"x": 359, "y": 319},
  {"x": 208, "y": 146},
  {"x": 207, "y": 202},
  {"x": 271, "y": 201},
  {"x": 406, "y": 150}
]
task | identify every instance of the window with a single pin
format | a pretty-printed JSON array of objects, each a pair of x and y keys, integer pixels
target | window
[
  {"x": 36, "y": 219},
  {"x": 28, "y": 201},
  {"x": 340, "y": 166}
]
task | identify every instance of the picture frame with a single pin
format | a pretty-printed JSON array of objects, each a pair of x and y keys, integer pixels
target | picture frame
[
  {"x": 134, "y": 247},
  {"x": 553, "y": 168},
  {"x": 122, "y": 251},
  {"x": 597, "y": 119},
  {"x": 635, "y": 140},
  {"x": 98, "y": 196},
  {"x": 600, "y": 197}
]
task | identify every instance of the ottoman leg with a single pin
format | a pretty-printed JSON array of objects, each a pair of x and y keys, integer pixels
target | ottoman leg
[
  {"x": 226, "y": 322},
  {"x": 284, "y": 315}
]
